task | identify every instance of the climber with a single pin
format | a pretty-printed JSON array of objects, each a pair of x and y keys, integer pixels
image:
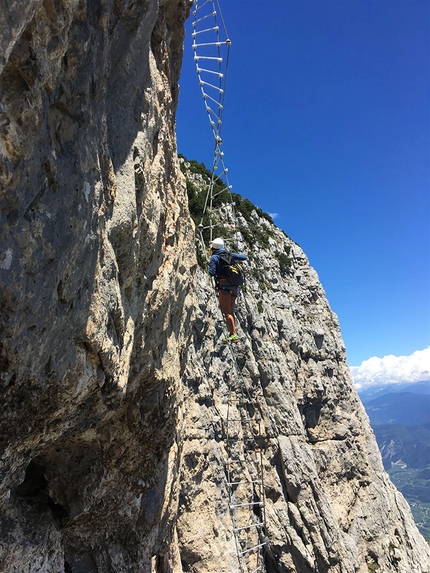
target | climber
[{"x": 227, "y": 292}]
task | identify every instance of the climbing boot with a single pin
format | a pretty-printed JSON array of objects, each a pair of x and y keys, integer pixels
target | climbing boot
[{"x": 232, "y": 338}]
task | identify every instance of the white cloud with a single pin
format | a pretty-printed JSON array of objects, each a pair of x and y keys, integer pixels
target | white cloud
[
  {"x": 392, "y": 369},
  {"x": 274, "y": 215}
]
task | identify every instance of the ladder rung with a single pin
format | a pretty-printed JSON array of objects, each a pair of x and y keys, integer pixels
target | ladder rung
[
  {"x": 214, "y": 29},
  {"x": 239, "y": 401},
  {"x": 212, "y": 122},
  {"x": 219, "y": 74},
  {"x": 218, "y": 44},
  {"x": 203, "y": 18},
  {"x": 225, "y": 189},
  {"x": 217, "y": 175},
  {"x": 207, "y": 96},
  {"x": 202, "y": 83},
  {"x": 197, "y": 7},
  {"x": 242, "y": 461},
  {"x": 249, "y": 444},
  {"x": 234, "y": 505},
  {"x": 215, "y": 195},
  {"x": 252, "y": 549},
  {"x": 259, "y": 568},
  {"x": 197, "y": 58},
  {"x": 258, "y": 481},
  {"x": 211, "y": 111},
  {"x": 248, "y": 526}
]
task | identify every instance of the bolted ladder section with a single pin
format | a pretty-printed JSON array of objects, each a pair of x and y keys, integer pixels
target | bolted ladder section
[
  {"x": 211, "y": 48},
  {"x": 242, "y": 424},
  {"x": 245, "y": 476}
]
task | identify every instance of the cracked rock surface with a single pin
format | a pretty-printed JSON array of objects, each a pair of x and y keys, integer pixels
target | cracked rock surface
[
  {"x": 113, "y": 375},
  {"x": 95, "y": 256}
]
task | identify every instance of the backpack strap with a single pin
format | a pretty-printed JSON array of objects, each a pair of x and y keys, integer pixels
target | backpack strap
[{"x": 226, "y": 258}]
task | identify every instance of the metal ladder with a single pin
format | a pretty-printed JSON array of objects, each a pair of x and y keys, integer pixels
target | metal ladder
[
  {"x": 211, "y": 48},
  {"x": 243, "y": 466},
  {"x": 245, "y": 476}
]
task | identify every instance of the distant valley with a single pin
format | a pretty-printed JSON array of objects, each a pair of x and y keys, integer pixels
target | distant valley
[{"x": 400, "y": 418}]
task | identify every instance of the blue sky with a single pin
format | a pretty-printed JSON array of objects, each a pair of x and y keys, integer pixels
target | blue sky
[{"x": 327, "y": 124}]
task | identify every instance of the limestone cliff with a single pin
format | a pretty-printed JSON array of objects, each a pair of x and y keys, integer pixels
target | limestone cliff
[
  {"x": 94, "y": 262},
  {"x": 112, "y": 369},
  {"x": 329, "y": 504}
]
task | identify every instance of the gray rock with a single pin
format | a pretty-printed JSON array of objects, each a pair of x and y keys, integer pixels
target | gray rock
[
  {"x": 330, "y": 507},
  {"x": 114, "y": 378},
  {"x": 95, "y": 255}
]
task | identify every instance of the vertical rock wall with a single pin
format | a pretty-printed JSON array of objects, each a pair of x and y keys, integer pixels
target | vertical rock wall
[{"x": 94, "y": 260}]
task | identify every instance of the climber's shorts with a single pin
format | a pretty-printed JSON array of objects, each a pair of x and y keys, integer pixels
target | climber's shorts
[{"x": 228, "y": 290}]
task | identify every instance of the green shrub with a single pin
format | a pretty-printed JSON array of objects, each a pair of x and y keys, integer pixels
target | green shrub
[
  {"x": 196, "y": 167},
  {"x": 255, "y": 233},
  {"x": 246, "y": 207},
  {"x": 201, "y": 256},
  {"x": 260, "y": 236},
  {"x": 284, "y": 262},
  {"x": 247, "y": 236}
]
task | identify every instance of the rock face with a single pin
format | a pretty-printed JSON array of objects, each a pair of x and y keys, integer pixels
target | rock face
[
  {"x": 113, "y": 375},
  {"x": 95, "y": 255},
  {"x": 330, "y": 507}
]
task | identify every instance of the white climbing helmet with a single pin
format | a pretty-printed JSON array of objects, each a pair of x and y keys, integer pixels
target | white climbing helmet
[{"x": 217, "y": 243}]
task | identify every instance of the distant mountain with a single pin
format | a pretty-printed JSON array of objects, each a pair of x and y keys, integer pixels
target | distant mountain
[
  {"x": 372, "y": 392},
  {"x": 410, "y": 445},
  {"x": 405, "y": 449},
  {"x": 399, "y": 408},
  {"x": 418, "y": 387}
]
